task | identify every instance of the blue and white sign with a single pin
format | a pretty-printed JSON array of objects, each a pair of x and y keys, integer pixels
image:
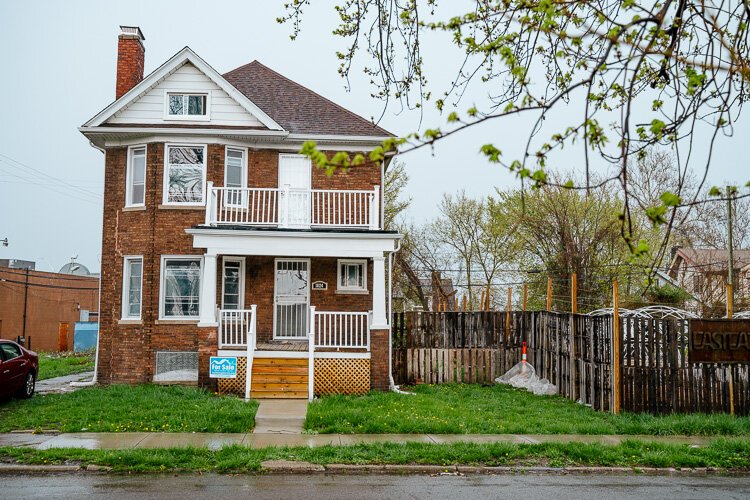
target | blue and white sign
[{"x": 222, "y": 367}]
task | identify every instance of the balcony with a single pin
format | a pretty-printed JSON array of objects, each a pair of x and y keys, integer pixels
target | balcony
[{"x": 293, "y": 208}]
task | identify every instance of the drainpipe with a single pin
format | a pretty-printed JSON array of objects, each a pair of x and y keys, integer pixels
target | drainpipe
[{"x": 392, "y": 384}]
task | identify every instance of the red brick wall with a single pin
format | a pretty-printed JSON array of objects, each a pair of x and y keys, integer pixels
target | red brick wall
[
  {"x": 379, "y": 379},
  {"x": 127, "y": 351},
  {"x": 130, "y": 60}
]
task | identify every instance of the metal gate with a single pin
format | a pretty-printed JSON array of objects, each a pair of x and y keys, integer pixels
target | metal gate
[{"x": 291, "y": 298}]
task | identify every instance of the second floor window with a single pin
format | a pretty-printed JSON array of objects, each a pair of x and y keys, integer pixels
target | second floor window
[
  {"x": 187, "y": 105},
  {"x": 185, "y": 175},
  {"x": 234, "y": 175},
  {"x": 135, "y": 192}
]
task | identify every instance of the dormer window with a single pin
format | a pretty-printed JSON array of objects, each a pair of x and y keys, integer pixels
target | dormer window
[{"x": 186, "y": 106}]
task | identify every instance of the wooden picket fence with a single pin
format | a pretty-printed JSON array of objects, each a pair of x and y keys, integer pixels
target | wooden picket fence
[{"x": 574, "y": 352}]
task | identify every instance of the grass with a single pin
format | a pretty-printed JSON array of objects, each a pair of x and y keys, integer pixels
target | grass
[
  {"x": 497, "y": 409},
  {"x": 57, "y": 364},
  {"x": 125, "y": 408},
  {"x": 721, "y": 453}
]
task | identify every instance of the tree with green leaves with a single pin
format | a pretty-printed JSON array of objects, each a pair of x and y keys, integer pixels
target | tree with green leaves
[{"x": 624, "y": 75}]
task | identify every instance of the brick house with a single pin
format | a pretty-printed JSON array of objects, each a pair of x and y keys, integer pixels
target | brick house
[{"x": 219, "y": 239}]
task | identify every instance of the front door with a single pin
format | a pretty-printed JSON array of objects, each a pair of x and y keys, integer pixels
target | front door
[
  {"x": 291, "y": 298},
  {"x": 294, "y": 183}
]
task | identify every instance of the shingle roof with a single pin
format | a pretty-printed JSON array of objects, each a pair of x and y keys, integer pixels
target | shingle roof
[
  {"x": 713, "y": 260},
  {"x": 297, "y": 109}
]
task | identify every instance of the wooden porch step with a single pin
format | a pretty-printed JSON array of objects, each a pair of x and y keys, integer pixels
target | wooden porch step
[
  {"x": 274, "y": 378},
  {"x": 279, "y": 361},
  {"x": 278, "y": 395},
  {"x": 280, "y": 386}
]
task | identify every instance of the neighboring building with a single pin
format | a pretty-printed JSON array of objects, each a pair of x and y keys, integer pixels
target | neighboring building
[
  {"x": 210, "y": 214},
  {"x": 36, "y": 302},
  {"x": 18, "y": 264},
  {"x": 703, "y": 273}
]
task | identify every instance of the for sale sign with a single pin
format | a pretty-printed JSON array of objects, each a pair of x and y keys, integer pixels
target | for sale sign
[{"x": 222, "y": 367}]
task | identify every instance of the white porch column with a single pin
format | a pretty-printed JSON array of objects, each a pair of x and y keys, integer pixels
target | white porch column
[
  {"x": 208, "y": 292},
  {"x": 379, "y": 318}
]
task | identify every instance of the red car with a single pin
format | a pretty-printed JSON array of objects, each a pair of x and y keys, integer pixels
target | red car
[{"x": 18, "y": 369}]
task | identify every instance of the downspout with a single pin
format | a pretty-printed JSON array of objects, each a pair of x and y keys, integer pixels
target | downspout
[
  {"x": 392, "y": 384},
  {"x": 99, "y": 317}
]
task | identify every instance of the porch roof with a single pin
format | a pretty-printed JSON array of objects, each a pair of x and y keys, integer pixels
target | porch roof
[{"x": 294, "y": 243}]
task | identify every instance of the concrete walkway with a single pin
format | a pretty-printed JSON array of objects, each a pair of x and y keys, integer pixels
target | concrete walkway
[
  {"x": 114, "y": 440},
  {"x": 280, "y": 416},
  {"x": 59, "y": 385}
]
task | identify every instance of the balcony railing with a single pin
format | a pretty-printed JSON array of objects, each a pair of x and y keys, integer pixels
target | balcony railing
[{"x": 293, "y": 208}]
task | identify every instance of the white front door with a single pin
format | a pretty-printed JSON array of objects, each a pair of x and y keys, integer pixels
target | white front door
[
  {"x": 291, "y": 298},
  {"x": 294, "y": 183}
]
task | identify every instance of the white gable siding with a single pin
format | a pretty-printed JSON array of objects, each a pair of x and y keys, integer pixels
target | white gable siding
[{"x": 149, "y": 107}]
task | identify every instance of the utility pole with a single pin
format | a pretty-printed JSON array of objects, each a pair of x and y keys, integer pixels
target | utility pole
[
  {"x": 730, "y": 244},
  {"x": 25, "y": 300}
]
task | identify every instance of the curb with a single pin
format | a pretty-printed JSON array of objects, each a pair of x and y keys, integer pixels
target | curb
[{"x": 306, "y": 468}]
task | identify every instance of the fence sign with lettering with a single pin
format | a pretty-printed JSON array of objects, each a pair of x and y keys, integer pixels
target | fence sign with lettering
[{"x": 719, "y": 341}]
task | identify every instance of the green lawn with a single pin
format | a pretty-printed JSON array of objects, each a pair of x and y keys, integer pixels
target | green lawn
[
  {"x": 497, "y": 409},
  {"x": 722, "y": 453},
  {"x": 57, "y": 364},
  {"x": 125, "y": 408}
]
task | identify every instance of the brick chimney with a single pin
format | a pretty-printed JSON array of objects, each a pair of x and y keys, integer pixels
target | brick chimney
[{"x": 130, "y": 57}]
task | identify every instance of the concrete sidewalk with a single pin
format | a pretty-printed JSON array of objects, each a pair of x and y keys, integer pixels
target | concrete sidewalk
[
  {"x": 113, "y": 440},
  {"x": 59, "y": 385}
]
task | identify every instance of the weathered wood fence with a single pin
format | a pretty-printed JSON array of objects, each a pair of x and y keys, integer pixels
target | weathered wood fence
[{"x": 574, "y": 352}]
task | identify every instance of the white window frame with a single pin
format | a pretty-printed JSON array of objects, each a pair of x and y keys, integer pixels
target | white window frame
[
  {"x": 129, "y": 175},
  {"x": 162, "y": 298},
  {"x": 351, "y": 289},
  {"x": 191, "y": 118},
  {"x": 241, "y": 260},
  {"x": 126, "y": 287},
  {"x": 165, "y": 187},
  {"x": 243, "y": 181}
]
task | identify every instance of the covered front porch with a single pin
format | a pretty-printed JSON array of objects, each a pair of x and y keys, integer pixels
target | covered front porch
[{"x": 306, "y": 320}]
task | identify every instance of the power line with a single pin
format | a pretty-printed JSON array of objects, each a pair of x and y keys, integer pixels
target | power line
[
  {"x": 40, "y": 285},
  {"x": 52, "y": 177},
  {"x": 58, "y": 277}
]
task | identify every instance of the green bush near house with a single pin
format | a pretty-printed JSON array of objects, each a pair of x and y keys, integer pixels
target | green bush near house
[
  {"x": 130, "y": 408},
  {"x": 497, "y": 409},
  {"x": 57, "y": 364}
]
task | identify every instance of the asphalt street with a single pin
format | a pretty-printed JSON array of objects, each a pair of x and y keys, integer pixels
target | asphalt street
[{"x": 299, "y": 486}]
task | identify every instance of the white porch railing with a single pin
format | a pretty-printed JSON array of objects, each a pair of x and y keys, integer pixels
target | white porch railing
[
  {"x": 235, "y": 327},
  {"x": 341, "y": 330},
  {"x": 287, "y": 207}
]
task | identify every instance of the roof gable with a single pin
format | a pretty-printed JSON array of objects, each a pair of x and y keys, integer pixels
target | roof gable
[
  {"x": 184, "y": 69},
  {"x": 295, "y": 107}
]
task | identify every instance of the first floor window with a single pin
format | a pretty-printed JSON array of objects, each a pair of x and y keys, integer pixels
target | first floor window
[
  {"x": 132, "y": 286},
  {"x": 185, "y": 174},
  {"x": 181, "y": 287},
  {"x": 136, "y": 182},
  {"x": 233, "y": 280},
  {"x": 352, "y": 275}
]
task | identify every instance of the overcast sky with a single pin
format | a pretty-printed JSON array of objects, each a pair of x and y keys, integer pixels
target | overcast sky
[{"x": 58, "y": 70}]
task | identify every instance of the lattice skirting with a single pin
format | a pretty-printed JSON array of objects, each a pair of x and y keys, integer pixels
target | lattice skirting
[
  {"x": 341, "y": 376},
  {"x": 235, "y": 385}
]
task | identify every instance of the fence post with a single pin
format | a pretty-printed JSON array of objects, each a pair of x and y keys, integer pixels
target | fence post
[
  {"x": 616, "y": 374},
  {"x": 549, "y": 293},
  {"x": 507, "y": 315},
  {"x": 730, "y": 312}
]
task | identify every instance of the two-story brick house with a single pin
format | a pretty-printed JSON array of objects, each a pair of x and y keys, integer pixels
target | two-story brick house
[{"x": 220, "y": 239}]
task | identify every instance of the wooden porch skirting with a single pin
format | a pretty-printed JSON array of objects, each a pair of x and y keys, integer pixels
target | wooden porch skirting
[{"x": 332, "y": 376}]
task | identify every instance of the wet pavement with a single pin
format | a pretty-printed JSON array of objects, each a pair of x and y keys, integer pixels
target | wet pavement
[
  {"x": 59, "y": 385},
  {"x": 280, "y": 416},
  {"x": 112, "y": 440},
  {"x": 322, "y": 486}
]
